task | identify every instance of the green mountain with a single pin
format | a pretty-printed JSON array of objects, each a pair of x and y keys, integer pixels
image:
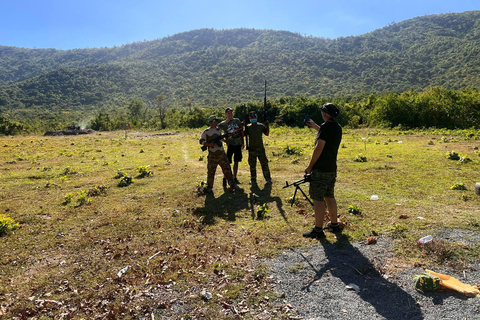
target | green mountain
[{"x": 218, "y": 67}]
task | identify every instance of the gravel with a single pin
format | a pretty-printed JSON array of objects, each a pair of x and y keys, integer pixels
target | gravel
[{"x": 314, "y": 281}]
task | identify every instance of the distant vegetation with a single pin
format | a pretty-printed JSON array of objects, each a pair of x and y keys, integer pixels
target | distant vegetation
[{"x": 420, "y": 72}]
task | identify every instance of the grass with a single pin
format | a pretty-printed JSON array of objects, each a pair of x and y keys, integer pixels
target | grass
[{"x": 177, "y": 243}]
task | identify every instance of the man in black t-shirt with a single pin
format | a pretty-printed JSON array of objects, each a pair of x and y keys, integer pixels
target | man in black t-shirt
[{"x": 323, "y": 170}]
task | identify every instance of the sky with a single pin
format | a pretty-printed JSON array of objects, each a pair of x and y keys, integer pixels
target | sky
[{"x": 71, "y": 24}]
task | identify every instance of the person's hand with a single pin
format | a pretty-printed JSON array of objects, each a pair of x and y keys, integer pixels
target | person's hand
[
  {"x": 308, "y": 170},
  {"x": 243, "y": 146}
]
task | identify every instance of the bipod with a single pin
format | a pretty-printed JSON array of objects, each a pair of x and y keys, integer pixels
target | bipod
[{"x": 306, "y": 178}]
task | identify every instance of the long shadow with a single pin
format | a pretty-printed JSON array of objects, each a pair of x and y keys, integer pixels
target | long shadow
[
  {"x": 265, "y": 196},
  {"x": 224, "y": 206},
  {"x": 348, "y": 264}
]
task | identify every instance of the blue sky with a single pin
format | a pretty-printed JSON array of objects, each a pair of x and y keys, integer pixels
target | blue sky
[{"x": 68, "y": 24}]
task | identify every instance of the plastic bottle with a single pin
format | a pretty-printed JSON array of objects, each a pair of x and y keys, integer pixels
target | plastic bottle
[{"x": 425, "y": 239}]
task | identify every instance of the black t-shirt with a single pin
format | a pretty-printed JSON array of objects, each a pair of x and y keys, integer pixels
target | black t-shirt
[{"x": 331, "y": 133}]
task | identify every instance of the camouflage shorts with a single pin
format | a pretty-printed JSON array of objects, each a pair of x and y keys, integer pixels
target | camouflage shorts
[{"x": 322, "y": 185}]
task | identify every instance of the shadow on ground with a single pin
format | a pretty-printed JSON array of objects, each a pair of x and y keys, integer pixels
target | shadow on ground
[{"x": 315, "y": 281}]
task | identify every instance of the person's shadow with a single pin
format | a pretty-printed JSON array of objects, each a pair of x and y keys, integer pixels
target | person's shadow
[
  {"x": 224, "y": 206},
  {"x": 260, "y": 196},
  {"x": 348, "y": 264}
]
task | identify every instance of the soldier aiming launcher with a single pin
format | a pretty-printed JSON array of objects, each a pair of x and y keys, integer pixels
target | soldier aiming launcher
[{"x": 306, "y": 178}]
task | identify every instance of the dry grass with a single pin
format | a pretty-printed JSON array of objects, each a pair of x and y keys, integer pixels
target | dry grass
[{"x": 63, "y": 261}]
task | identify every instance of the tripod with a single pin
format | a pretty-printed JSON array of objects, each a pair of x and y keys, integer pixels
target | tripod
[{"x": 306, "y": 178}]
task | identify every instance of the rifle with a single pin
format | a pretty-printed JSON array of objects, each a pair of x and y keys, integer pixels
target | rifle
[
  {"x": 246, "y": 122},
  {"x": 265, "y": 104},
  {"x": 217, "y": 140},
  {"x": 306, "y": 178}
]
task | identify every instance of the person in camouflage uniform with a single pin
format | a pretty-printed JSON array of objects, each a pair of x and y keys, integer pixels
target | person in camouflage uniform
[
  {"x": 216, "y": 155},
  {"x": 254, "y": 132},
  {"x": 233, "y": 128}
]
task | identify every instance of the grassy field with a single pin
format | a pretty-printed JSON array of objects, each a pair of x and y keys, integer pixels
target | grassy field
[{"x": 89, "y": 248}]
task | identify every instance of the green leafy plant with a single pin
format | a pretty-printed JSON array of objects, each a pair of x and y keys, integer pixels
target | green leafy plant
[
  {"x": 295, "y": 150},
  {"x": 262, "y": 211},
  {"x": 452, "y": 155},
  {"x": 120, "y": 174},
  {"x": 144, "y": 171},
  {"x": 125, "y": 181},
  {"x": 7, "y": 224},
  {"x": 465, "y": 159},
  {"x": 360, "y": 158},
  {"x": 354, "y": 209},
  {"x": 201, "y": 187},
  {"x": 458, "y": 186}
]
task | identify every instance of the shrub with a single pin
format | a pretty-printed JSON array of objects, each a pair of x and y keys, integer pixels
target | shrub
[
  {"x": 293, "y": 150},
  {"x": 262, "y": 211},
  {"x": 144, "y": 171},
  {"x": 125, "y": 181},
  {"x": 465, "y": 159},
  {"x": 458, "y": 186},
  {"x": 452, "y": 155},
  {"x": 354, "y": 209},
  {"x": 360, "y": 158},
  {"x": 7, "y": 224}
]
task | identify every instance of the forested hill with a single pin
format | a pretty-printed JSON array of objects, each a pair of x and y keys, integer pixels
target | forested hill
[{"x": 218, "y": 67}]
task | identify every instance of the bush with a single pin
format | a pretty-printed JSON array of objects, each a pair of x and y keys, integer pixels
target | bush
[
  {"x": 7, "y": 224},
  {"x": 360, "y": 158},
  {"x": 144, "y": 171},
  {"x": 458, "y": 186},
  {"x": 125, "y": 181},
  {"x": 293, "y": 150},
  {"x": 452, "y": 155}
]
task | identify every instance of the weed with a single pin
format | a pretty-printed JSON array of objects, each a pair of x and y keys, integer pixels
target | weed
[
  {"x": 97, "y": 190},
  {"x": 262, "y": 211},
  {"x": 120, "y": 174},
  {"x": 360, "y": 158},
  {"x": 7, "y": 224},
  {"x": 465, "y": 159},
  {"x": 354, "y": 209},
  {"x": 125, "y": 181},
  {"x": 452, "y": 155},
  {"x": 144, "y": 171},
  {"x": 295, "y": 150},
  {"x": 458, "y": 186}
]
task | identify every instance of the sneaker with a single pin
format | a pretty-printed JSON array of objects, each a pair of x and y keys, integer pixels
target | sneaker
[
  {"x": 333, "y": 227},
  {"x": 315, "y": 234},
  {"x": 236, "y": 181},
  {"x": 224, "y": 182},
  {"x": 233, "y": 189}
]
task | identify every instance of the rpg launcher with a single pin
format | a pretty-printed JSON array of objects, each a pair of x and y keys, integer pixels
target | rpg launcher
[
  {"x": 217, "y": 140},
  {"x": 296, "y": 184}
]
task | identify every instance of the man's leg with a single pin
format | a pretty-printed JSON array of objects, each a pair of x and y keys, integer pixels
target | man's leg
[
  {"x": 319, "y": 208},
  {"x": 332, "y": 209},
  {"x": 227, "y": 170},
  {"x": 262, "y": 158},
  {"x": 211, "y": 168},
  {"x": 235, "y": 169},
  {"x": 252, "y": 162}
]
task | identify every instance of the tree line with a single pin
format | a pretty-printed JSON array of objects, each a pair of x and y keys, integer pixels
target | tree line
[{"x": 433, "y": 107}]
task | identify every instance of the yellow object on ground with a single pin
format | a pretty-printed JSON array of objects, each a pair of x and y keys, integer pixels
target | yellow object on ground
[{"x": 448, "y": 282}]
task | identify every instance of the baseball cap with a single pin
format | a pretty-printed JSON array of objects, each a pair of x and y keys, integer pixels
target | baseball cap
[
  {"x": 212, "y": 118},
  {"x": 330, "y": 109},
  {"x": 228, "y": 109}
]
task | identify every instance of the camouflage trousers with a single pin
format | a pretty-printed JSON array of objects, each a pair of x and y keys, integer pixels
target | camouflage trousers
[
  {"x": 252, "y": 162},
  {"x": 222, "y": 161}
]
